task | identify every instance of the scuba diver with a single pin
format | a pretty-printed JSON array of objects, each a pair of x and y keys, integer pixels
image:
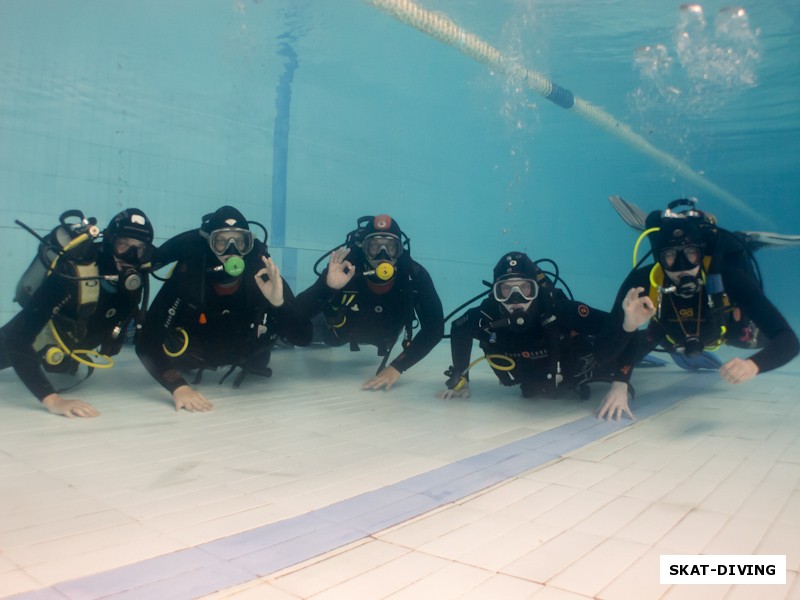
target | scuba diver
[
  {"x": 78, "y": 295},
  {"x": 738, "y": 252},
  {"x": 224, "y": 304},
  {"x": 530, "y": 332},
  {"x": 703, "y": 291},
  {"x": 371, "y": 291}
]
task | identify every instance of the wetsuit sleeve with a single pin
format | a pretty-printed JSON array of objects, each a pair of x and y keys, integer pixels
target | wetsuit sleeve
[
  {"x": 175, "y": 248},
  {"x": 291, "y": 324},
  {"x": 619, "y": 351},
  {"x": 782, "y": 344},
  {"x": 431, "y": 320},
  {"x": 582, "y": 318},
  {"x": 462, "y": 333},
  {"x": 312, "y": 300},
  {"x": 163, "y": 314},
  {"x": 21, "y": 332}
]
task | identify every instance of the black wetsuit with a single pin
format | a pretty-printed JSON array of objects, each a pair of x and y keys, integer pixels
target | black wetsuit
[
  {"x": 224, "y": 326},
  {"x": 560, "y": 338},
  {"x": 366, "y": 313},
  {"x": 82, "y": 326},
  {"x": 692, "y": 317}
]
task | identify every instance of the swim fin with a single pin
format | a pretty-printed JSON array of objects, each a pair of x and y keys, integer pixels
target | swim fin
[
  {"x": 651, "y": 361},
  {"x": 756, "y": 240},
  {"x": 635, "y": 217},
  {"x": 704, "y": 360},
  {"x": 630, "y": 213}
]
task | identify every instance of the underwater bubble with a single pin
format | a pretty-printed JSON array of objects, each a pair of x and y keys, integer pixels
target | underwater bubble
[
  {"x": 735, "y": 52},
  {"x": 711, "y": 63},
  {"x": 691, "y": 9},
  {"x": 691, "y": 39},
  {"x": 652, "y": 61},
  {"x": 734, "y": 23},
  {"x": 692, "y": 18},
  {"x": 734, "y": 32}
]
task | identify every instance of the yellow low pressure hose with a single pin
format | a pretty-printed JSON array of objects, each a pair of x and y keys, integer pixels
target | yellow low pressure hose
[
  {"x": 639, "y": 241},
  {"x": 490, "y": 358},
  {"x": 76, "y": 354}
]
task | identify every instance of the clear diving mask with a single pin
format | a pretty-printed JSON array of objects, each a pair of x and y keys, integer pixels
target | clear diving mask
[
  {"x": 384, "y": 246},
  {"x": 230, "y": 240},
  {"x": 515, "y": 290}
]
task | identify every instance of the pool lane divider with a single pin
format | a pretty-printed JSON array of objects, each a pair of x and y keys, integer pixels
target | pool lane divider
[{"x": 440, "y": 27}]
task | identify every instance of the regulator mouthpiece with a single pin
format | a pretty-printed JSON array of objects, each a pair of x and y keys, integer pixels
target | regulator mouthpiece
[
  {"x": 132, "y": 281},
  {"x": 53, "y": 356},
  {"x": 384, "y": 271},
  {"x": 234, "y": 266}
]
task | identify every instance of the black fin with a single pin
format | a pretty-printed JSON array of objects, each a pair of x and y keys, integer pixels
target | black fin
[{"x": 630, "y": 213}]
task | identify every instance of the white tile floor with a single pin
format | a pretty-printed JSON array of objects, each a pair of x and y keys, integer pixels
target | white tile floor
[{"x": 305, "y": 487}]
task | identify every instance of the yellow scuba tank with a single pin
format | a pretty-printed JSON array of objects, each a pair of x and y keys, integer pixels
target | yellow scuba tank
[
  {"x": 72, "y": 240},
  {"x": 69, "y": 248}
]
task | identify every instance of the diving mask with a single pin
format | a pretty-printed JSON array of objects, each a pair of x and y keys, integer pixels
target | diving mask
[
  {"x": 515, "y": 290},
  {"x": 382, "y": 246},
  {"x": 130, "y": 250},
  {"x": 684, "y": 258},
  {"x": 230, "y": 240}
]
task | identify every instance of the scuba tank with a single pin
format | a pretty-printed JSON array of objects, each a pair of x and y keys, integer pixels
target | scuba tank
[
  {"x": 72, "y": 240},
  {"x": 68, "y": 251}
]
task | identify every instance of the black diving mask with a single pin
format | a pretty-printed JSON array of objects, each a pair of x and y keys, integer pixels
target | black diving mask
[
  {"x": 131, "y": 251},
  {"x": 684, "y": 258}
]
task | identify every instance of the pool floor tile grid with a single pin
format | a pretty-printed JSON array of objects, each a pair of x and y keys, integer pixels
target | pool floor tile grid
[
  {"x": 718, "y": 474},
  {"x": 424, "y": 456}
]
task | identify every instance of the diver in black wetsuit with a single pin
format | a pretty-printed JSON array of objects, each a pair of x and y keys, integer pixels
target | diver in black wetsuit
[
  {"x": 77, "y": 303},
  {"x": 371, "y": 291},
  {"x": 225, "y": 304},
  {"x": 702, "y": 292},
  {"x": 531, "y": 334}
]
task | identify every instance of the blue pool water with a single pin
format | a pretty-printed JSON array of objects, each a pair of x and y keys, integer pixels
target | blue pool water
[{"x": 307, "y": 114}]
